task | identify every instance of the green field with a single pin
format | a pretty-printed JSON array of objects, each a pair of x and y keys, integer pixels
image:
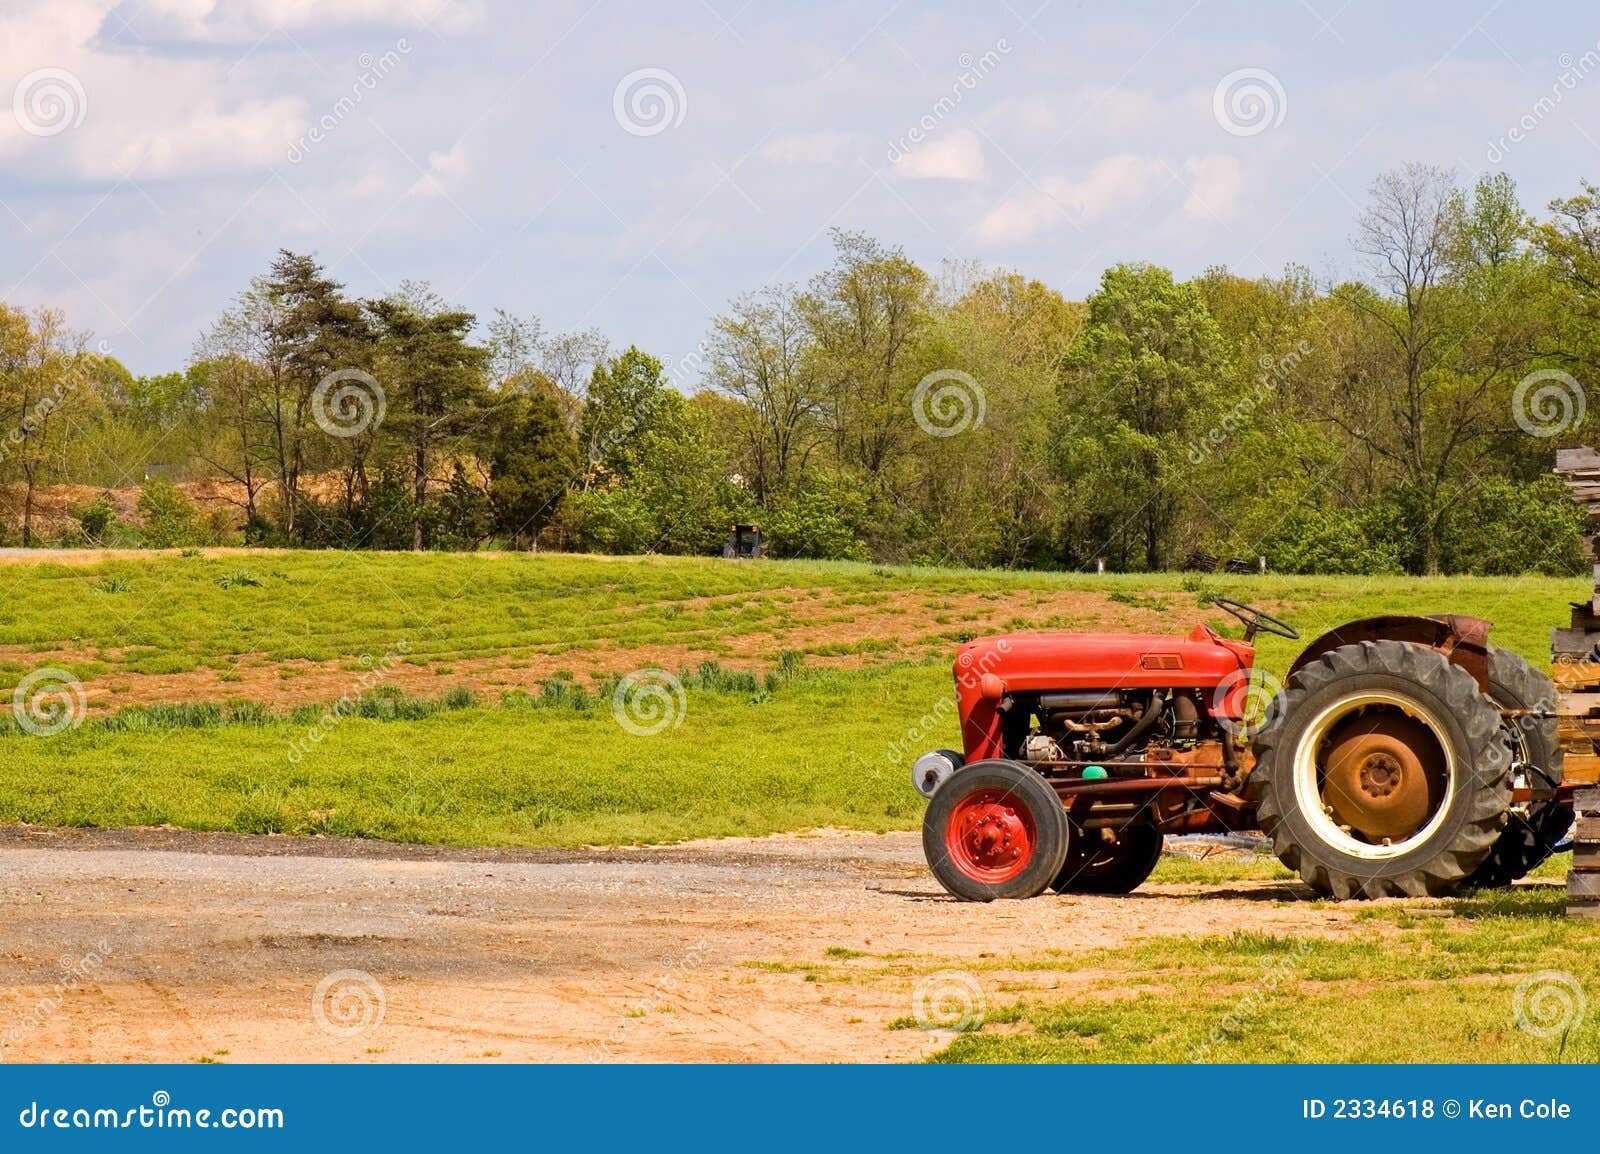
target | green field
[
  {"x": 166, "y": 613},
  {"x": 1396, "y": 985},
  {"x": 495, "y": 755}
]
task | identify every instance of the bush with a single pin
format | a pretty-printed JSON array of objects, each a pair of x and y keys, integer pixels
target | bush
[
  {"x": 169, "y": 518},
  {"x": 96, "y": 518},
  {"x": 1361, "y": 541},
  {"x": 1504, "y": 527},
  {"x": 818, "y": 521}
]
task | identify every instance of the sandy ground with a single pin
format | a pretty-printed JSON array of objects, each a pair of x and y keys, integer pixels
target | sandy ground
[{"x": 172, "y": 946}]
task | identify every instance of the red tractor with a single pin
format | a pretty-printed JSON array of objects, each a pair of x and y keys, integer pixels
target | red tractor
[{"x": 1404, "y": 755}]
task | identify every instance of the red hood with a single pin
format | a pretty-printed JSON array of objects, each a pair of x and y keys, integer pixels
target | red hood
[{"x": 990, "y": 667}]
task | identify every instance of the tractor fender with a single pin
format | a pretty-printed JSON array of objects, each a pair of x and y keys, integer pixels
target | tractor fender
[{"x": 1464, "y": 641}]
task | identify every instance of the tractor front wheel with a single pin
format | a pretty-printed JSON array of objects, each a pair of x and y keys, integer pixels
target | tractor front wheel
[
  {"x": 1385, "y": 773},
  {"x": 995, "y": 829}
]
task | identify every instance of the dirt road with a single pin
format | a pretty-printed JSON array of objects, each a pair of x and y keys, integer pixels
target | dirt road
[{"x": 168, "y": 946}]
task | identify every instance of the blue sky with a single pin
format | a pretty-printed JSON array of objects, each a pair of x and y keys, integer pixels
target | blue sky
[{"x": 634, "y": 166}]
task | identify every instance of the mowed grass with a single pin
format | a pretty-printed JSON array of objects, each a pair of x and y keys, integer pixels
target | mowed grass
[
  {"x": 829, "y": 749},
  {"x": 1497, "y": 982},
  {"x": 166, "y": 613}
]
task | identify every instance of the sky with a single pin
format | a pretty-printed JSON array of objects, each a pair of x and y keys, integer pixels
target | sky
[{"x": 634, "y": 167}]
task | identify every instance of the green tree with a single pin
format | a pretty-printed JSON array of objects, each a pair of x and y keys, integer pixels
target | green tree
[
  {"x": 761, "y": 355},
  {"x": 309, "y": 330},
  {"x": 169, "y": 517},
  {"x": 434, "y": 387},
  {"x": 628, "y": 399},
  {"x": 533, "y": 461},
  {"x": 1444, "y": 329},
  {"x": 1137, "y": 387}
]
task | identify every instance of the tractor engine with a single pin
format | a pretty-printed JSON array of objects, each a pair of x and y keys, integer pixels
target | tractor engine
[{"x": 1094, "y": 725}]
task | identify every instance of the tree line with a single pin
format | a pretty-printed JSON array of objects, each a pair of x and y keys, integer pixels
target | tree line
[{"x": 1401, "y": 420}]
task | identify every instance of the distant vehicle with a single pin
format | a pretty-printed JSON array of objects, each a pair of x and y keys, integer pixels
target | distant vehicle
[{"x": 745, "y": 543}]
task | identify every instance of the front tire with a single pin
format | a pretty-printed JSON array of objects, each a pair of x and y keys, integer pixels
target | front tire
[
  {"x": 1384, "y": 773},
  {"x": 995, "y": 829}
]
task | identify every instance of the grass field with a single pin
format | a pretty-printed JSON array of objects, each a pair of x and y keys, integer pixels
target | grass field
[
  {"x": 1402, "y": 986},
  {"x": 484, "y": 684}
]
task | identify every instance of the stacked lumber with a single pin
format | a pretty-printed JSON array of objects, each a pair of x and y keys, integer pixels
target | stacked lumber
[
  {"x": 1583, "y": 881},
  {"x": 1575, "y": 668}
]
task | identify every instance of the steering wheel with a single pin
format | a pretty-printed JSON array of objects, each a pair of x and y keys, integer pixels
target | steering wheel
[{"x": 1256, "y": 621}]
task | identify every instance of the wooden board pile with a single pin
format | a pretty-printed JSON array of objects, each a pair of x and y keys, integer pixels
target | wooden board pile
[{"x": 1575, "y": 668}]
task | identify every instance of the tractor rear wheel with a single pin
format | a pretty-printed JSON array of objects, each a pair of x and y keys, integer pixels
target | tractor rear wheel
[
  {"x": 995, "y": 829},
  {"x": 1384, "y": 773},
  {"x": 1534, "y": 829},
  {"x": 1094, "y": 866}
]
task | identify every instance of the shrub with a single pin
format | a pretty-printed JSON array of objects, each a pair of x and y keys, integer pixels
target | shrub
[
  {"x": 96, "y": 518},
  {"x": 169, "y": 518},
  {"x": 818, "y": 521}
]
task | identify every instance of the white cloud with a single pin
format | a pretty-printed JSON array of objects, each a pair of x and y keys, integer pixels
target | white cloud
[
  {"x": 810, "y": 147},
  {"x": 1114, "y": 181},
  {"x": 954, "y": 155},
  {"x": 206, "y": 141},
  {"x": 101, "y": 115},
  {"x": 1214, "y": 184},
  {"x": 247, "y": 21},
  {"x": 444, "y": 169},
  {"x": 1126, "y": 180}
]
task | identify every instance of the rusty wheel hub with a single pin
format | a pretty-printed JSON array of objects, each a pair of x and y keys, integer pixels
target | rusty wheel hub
[{"x": 1386, "y": 775}]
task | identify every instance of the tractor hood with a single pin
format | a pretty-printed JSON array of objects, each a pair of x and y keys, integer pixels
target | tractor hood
[{"x": 993, "y": 666}]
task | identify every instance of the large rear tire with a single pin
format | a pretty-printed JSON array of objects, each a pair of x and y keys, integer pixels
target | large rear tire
[
  {"x": 1384, "y": 772},
  {"x": 1532, "y": 830},
  {"x": 995, "y": 829}
]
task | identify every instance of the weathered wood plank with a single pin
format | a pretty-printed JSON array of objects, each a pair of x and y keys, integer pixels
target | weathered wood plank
[
  {"x": 1578, "y": 704},
  {"x": 1576, "y": 676},
  {"x": 1581, "y": 768},
  {"x": 1572, "y": 643},
  {"x": 1577, "y": 458},
  {"x": 1584, "y": 910},
  {"x": 1587, "y": 801},
  {"x": 1584, "y": 886}
]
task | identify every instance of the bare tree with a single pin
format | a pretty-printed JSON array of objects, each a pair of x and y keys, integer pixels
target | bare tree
[
  {"x": 1441, "y": 329},
  {"x": 760, "y": 355}
]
